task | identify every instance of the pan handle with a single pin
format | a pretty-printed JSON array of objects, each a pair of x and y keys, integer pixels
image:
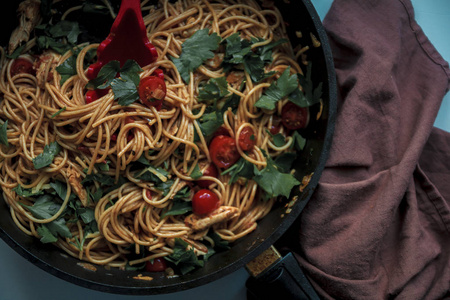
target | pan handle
[{"x": 284, "y": 280}]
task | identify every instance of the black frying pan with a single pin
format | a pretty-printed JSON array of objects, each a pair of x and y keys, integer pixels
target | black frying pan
[{"x": 300, "y": 15}]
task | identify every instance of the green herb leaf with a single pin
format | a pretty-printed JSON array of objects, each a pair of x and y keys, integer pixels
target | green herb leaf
[
  {"x": 196, "y": 173},
  {"x": 236, "y": 49},
  {"x": 274, "y": 182},
  {"x": 185, "y": 259},
  {"x": 218, "y": 242},
  {"x": 215, "y": 89},
  {"x": 195, "y": 50},
  {"x": 242, "y": 168},
  {"x": 26, "y": 193},
  {"x": 299, "y": 141},
  {"x": 125, "y": 90},
  {"x": 67, "y": 69},
  {"x": 278, "y": 139},
  {"x": 46, "y": 157},
  {"x": 16, "y": 52},
  {"x": 284, "y": 161},
  {"x": 60, "y": 188},
  {"x": 58, "y": 112},
  {"x": 179, "y": 207},
  {"x": 309, "y": 96},
  {"x": 284, "y": 86},
  {"x": 105, "y": 76},
  {"x": 3, "y": 133},
  {"x": 254, "y": 66},
  {"x": 46, "y": 235},
  {"x": 67, "y": 29},
  {"x": 103, "y": 179},
  {"x": 152, "y": 174}
]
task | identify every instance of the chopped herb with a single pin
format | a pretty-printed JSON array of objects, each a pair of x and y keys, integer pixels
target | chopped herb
[
  {"x": 60, "y": 189},
  {"x": 274, "y": 182},
  {"x": 278, "y": 139},
  {"x": 236, "y": 49},
  {"x": 309, "y": 96},
  {"x": 185, "y": 259},
  {"x": 51, "y": 35},
  {"x": 58, "y": 112},
  {"x": 67, "y": 69},
  {"x": 3, "y": 133},
  {"x": 16, "y": 52},
  {"x": 196, "y": 173},
  {"x": 242, "y": 168},
  {"x": 299, "y": 141},
  {"x": 46, "y": 157},
  {"x": 46, "y": 235},
  {"x": 195, "y": 50},
  {"x": 105, "y": 76},
  {"x": 153, "y": 174},
  {"x": 215, "y": 89},
  {"x": 103, "y": 179},
  {"x": 179, "y": 207},
  {"x": 284, "y": 161},
  {"x": 284, "y": 86},
  {"x": 26, "y": 192},
  {"x": 218, "y": 242}
]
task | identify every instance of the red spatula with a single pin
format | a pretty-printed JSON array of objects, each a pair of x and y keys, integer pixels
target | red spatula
[{"x": 126, "y": 40}]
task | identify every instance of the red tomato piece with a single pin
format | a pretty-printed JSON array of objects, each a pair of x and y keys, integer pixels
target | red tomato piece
[
  {"x": 223, "y": 151},
  {"x": 22, "y": 65},
  {"x": 294, "y": 116},
  {"x": 152, "y": 91},
  {"x": 204, "y": 202},
  {"x": 148, "y": 193},
  {"x": 159, "y": 264},
  {"x": 211, "y": 170},
  {"x": 247, "y": 138}
]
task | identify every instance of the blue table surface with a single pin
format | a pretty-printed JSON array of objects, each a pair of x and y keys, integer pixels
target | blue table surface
[{"x": 21, "y": 280}]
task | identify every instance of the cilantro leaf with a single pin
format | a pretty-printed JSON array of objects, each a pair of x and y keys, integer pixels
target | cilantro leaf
[
  {"x": 179, "y": 207},
  {"x": 185, "y": 259},
  {"x": 125, "y": 90},
  {"x": 26, "y": 192},
  {"x": 46, "y": 157},
  {"x": 284, "y": 161},
  {"x": 254, "y": 65},
  {"x": 265, "y": 52},
  {"x": 309, "y": 96},
  {"x": 46, "y": 235},
  {"x": 215, "y": 89},
  {"x": 152, "y": 174},
  {"x": 277, "y": 139},
  {"x": 105, "y": 76},
  {"x": 103, "y": 179},
  {"x": 236, "y": 49},
  {"x": 284, "y": 86},
  {"x": 3, "y": 134},
  {"x": 218, "y": 242},
  {"x": 67, "y": 69},
  {"x": 16, "y": 52},
  {"x": 196, "y": 173},
  {"x": 51, "y": 36},
  {"x": 195, "y": 50},
  {"x": 274, "y": 182},
  {"x": 242, "y": 168},
  {"x": 299, "y": 141},
  {"x": 67, "y": 29},
  {"x": 58, "y": 112}
]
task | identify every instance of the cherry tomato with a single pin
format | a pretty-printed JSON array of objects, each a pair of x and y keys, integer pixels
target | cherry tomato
[
  {"x": 159, "y": 264},
  {"x": 223, "y": 151},
  {"x": 22, "y": 65},
  {"x": 221, "y": 131},
  {"x": 247, "y": 139},
  {"x": 211, "y": 170},
  {"x": 152, "y": 91},
  {"x": 204, "y": 202},
  {"x": 148, "y": 193},
  {"x": 93, "y": 95},
  {"x": 294, "y": 116}
]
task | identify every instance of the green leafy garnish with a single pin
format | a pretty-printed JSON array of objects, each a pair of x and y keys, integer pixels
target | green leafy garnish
[
  {"x": 3, "y": 134},
  {"x": 60, "y": 37},
  {"x": 236, "y": 49},
  {"x": 284, "y": 161},
  {"x": 58, "y": 112},
  {"x": 185, "y": 259},
  {"x": 195, "y": 50},
  {"x": 215, "y": 89},
  {"x": 16, "y": 52},
  {"x": 274, "y": 182},
  {"x": 26, "y": 192},
  {"x": 67, "y": 69},
  {"x": 46, "y": 157},
  {"x": 242, "y": 168},
  {"x": 179, "y": 207},
  {"x": 219, "y": 244},
  {"x": 299, "y": 141},
  {"x": 46, "y": 235},
  {"x": 196, "y": 173},
  {"x": 309, "y": 96},
  {"x": 105, "y": 76},
  {"x": 278, "y": 139},
  {"x": 284, "y": 86}
]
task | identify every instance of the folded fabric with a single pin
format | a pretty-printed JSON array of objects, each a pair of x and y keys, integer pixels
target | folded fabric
[{"x": 378, "y": 224}]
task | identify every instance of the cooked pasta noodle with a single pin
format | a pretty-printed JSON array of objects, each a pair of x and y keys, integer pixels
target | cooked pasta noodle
[{"x": 103, "y": 137}]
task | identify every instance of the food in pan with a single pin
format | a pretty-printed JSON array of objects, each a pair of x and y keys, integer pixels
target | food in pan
[{"x": 157, "y": 165}]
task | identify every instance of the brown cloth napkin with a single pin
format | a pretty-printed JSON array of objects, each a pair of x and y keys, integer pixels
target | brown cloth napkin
[{"x": 378, "y": 225}]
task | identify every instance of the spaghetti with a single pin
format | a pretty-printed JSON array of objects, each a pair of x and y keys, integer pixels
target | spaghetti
[{"x": 111, "y": 190}]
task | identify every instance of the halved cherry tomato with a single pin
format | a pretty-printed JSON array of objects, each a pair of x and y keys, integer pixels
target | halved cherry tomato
[
  {"x": 152, "y": 91},
  {"x": 159, "y": 264},
  {"x": 294, "y": 116},
  {"x": 204, "y": 202},
  {"x": 22, "y": 65},
  {"x": 211, "y": 170},
  {"x": 223, "y": 151},
  {"x": 93, "y": 95},
  {"x": 221, "y": 131},
  {"x": 247, "y": 139}
]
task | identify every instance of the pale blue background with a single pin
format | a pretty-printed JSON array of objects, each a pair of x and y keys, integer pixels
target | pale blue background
[{"x": 20, "y": 280}]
